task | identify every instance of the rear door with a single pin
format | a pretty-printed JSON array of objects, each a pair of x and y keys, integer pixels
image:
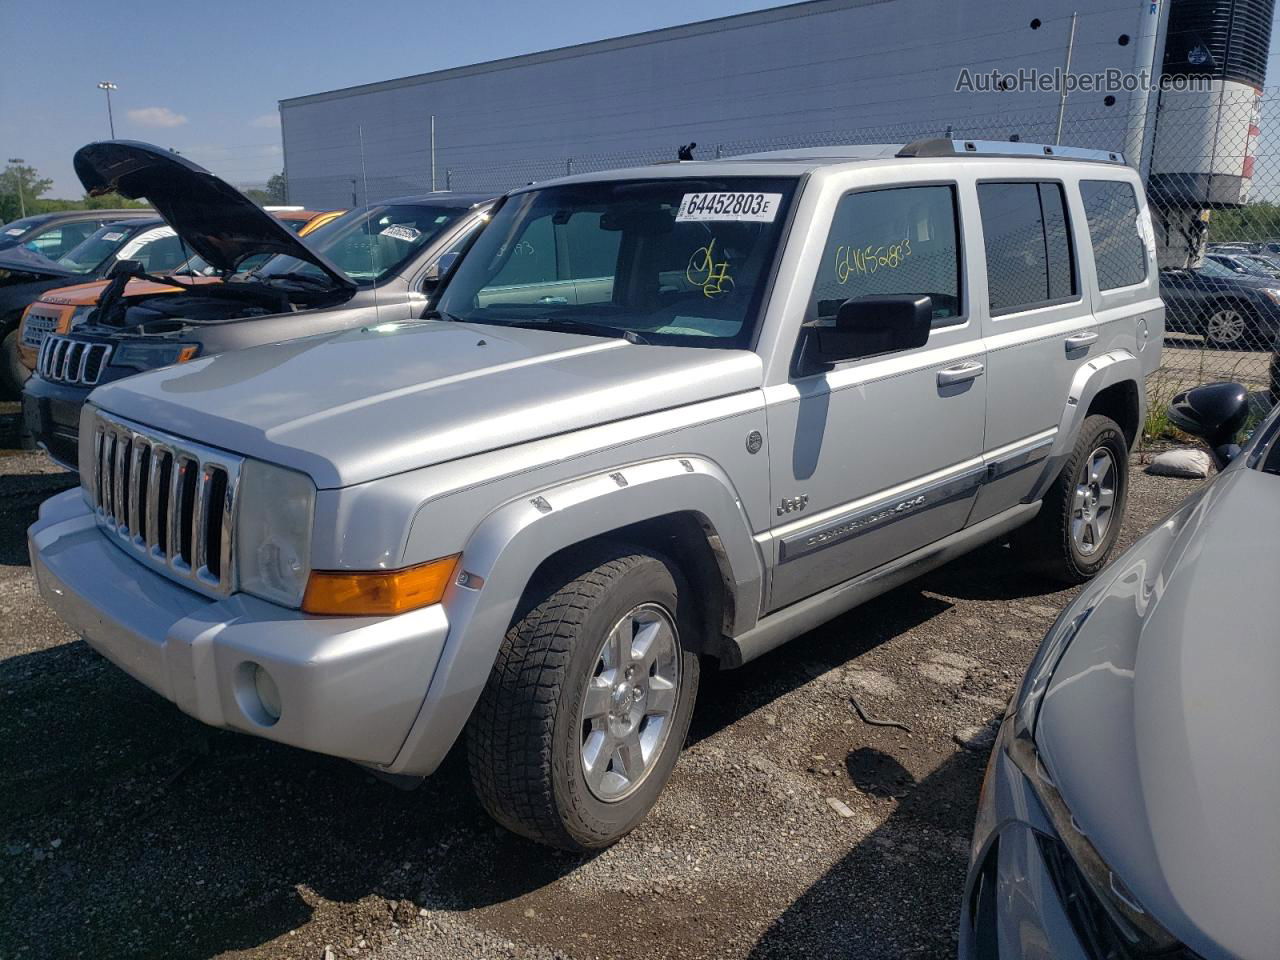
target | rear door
[{"x": 1038, "y": 325}]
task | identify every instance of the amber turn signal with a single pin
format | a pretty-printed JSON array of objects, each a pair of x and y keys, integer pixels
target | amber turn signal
[{"x": 378, "y": 593}]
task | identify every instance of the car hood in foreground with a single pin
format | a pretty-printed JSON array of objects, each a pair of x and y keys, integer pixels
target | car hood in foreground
[
  {"x": 23, "y": 264},
  {"x": 369, "y": 403},
  {"x": 212, "y": 217},
  {"x": 1160, "y": 723}
]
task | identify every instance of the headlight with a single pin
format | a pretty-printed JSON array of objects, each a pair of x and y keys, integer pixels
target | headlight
[
  {"x": 1125, "y": 918},
  {"x": 1112, "y": 913},
  {"x": 1273, "y": 294},
  {"x": 148, "y": 356},
  {"x": 79, "y": 315},
  {"x": 273, "y": 532}
]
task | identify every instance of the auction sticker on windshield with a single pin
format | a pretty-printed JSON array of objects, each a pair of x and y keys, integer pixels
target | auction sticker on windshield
[{"x": 754, "y": 207}]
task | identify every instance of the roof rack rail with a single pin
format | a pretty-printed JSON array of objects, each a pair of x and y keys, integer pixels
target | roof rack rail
[{"x": 941, "y": 147}]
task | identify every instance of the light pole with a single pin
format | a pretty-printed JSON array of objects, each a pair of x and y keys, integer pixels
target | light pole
[
  {"x": 18, "y": 162},
  {"x": 108, "y": 86}
]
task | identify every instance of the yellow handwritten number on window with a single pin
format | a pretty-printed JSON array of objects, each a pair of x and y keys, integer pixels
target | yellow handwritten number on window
[
  {"x": 706, "y": 272},
  {"x": 869, "y": 259}
]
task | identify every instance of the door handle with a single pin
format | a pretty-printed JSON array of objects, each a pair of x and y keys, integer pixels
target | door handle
[
  {"x": 1080, "y": 340},
  {"x": 962, "y": 373}
]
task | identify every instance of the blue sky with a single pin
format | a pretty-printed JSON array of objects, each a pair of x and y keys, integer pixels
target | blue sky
[{"x": 204, "y": 77}]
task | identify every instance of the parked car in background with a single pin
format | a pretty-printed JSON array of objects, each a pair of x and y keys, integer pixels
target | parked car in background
[
  {"x": 1249, "y": 264},
  {"x": 302, "y": 221},
  {"x": 1229, "y": 308},
  {"x": 61, "y": 308},
  {"x": 1129, "y": 804},
  {"x": 372, "y": 265},
  {"x": 25, "y": 276},
  {"x": 654, "y": 416},
  {"x": 53, "y": 234}
]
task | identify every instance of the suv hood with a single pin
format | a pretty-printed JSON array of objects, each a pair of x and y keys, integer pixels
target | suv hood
[
  {"x": 212, "y": 217},
  {"x": 20, "y": 260},
  {"x": 365, "y": 404},
  {"x": 1159, "y": 724}
]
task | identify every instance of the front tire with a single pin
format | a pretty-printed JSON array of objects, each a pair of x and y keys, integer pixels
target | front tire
[
  {"x": 1228, "y": 328},
  {"x": 588, "y": 704},
  {"x": 1075, "y": 532}
]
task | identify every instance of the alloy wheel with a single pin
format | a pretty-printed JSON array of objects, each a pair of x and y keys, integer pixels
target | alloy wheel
[
  {"x": 1225, "y": 327},
  {"x": 627, "y": 712},
  {"x": 1094, "y": 501}
]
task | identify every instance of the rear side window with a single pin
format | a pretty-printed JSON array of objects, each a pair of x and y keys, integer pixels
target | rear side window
[
  {"x": 1111, "y": 209},
  {"x": 1027, "y": 235},
  {"x": 902, "y": 240}
]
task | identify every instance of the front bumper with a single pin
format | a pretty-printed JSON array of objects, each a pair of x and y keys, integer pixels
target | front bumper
[
  {"x": 51, "y": 419},
  {"x": 1011, "y": 906},
  {"x": 349, "y": 687}
]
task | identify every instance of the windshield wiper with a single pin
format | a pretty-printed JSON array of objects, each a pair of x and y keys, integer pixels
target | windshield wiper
[
  {"x": 441, "y": 315},
  {"x": 564, "y": 325},
  {"x": 299, "y": 277}
]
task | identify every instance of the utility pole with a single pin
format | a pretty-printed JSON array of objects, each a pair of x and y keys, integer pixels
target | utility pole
[
  {"x": 353, "y": 194},
  {"x": 1066, "y": 72},
  {"x": 108, "y": 86},
  {"x": 433, "y": 153},
  {"x": 18, "y": 162}
]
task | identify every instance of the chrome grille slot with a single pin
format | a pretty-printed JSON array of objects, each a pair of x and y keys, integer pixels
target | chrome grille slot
[
  {"x": 172, "y": 503},
  {"x": 36, "y": 326},
  {"x": 66, "y": 360}
]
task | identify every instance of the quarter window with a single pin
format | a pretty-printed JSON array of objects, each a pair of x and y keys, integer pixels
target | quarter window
[
  {"x": 1119, "y": 251},
  {"x": 1027, "y": 237},
  {"x": 902, "y": 240}
]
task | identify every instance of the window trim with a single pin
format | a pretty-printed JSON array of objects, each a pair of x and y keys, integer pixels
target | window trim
[
  {"x": 1077, "y": 280},
  {"x": 1137, "y": 206}
]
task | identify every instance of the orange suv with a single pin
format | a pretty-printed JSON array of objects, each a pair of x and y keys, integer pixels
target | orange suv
[{"x": 59, "y": 309}]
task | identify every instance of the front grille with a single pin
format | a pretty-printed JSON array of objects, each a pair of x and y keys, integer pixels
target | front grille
[
  {"x": 171, "y": 502},
  {"x": 36, "y": 326},
  {"x": 67, "y": 360}
]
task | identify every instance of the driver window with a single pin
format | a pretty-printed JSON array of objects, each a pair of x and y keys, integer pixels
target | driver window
[{"x": 902, "y": 240}]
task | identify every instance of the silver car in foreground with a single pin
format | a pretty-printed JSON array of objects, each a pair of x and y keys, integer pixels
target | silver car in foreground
[
  {"x": 1129, "y": 808},
  {"x": 656, "y": 417}
]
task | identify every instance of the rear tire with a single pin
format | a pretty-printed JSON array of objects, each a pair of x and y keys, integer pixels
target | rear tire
[
  {"x": 1075, "y": 532},
  {"x": 588, "y": 704},
  {"x": 12, "y": 373}
]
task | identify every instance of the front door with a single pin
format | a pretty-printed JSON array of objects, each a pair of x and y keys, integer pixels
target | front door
[{"x": 878, "y": 456}]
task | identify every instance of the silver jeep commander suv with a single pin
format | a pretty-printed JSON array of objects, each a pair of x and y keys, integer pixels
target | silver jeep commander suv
[{"x": 656, "y": 419}]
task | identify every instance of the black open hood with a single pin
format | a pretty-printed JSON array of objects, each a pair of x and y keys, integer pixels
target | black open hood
[
  {"x": 212, "y": 217},
  {"x": 22, "y": 260}
]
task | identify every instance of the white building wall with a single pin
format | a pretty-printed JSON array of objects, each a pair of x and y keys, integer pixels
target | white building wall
[{"x": 868, "y": 68}]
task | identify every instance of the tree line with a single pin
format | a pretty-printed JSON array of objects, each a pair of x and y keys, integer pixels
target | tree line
[{"x": 23, "y": 192}]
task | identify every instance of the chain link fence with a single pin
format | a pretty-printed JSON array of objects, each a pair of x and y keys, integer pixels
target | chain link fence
[{"x": 1213, "y": 183}]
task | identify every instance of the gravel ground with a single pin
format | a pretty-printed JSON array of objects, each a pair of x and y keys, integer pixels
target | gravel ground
[{"x": 790, "y": 828}]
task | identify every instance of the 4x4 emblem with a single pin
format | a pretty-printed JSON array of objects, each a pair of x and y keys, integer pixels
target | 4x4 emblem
[{"x": 793, "y": 504}]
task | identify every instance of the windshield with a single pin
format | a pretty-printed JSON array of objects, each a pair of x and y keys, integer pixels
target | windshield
[
  {"x": 673, "y": 261},
  {"x": 370, "y": 244},
  {"x": 91, "y": 252}
]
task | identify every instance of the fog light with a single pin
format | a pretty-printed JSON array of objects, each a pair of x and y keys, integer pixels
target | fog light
[
  {"x": 268, "y": 692},
  {"x": 257, "y": 694}
]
